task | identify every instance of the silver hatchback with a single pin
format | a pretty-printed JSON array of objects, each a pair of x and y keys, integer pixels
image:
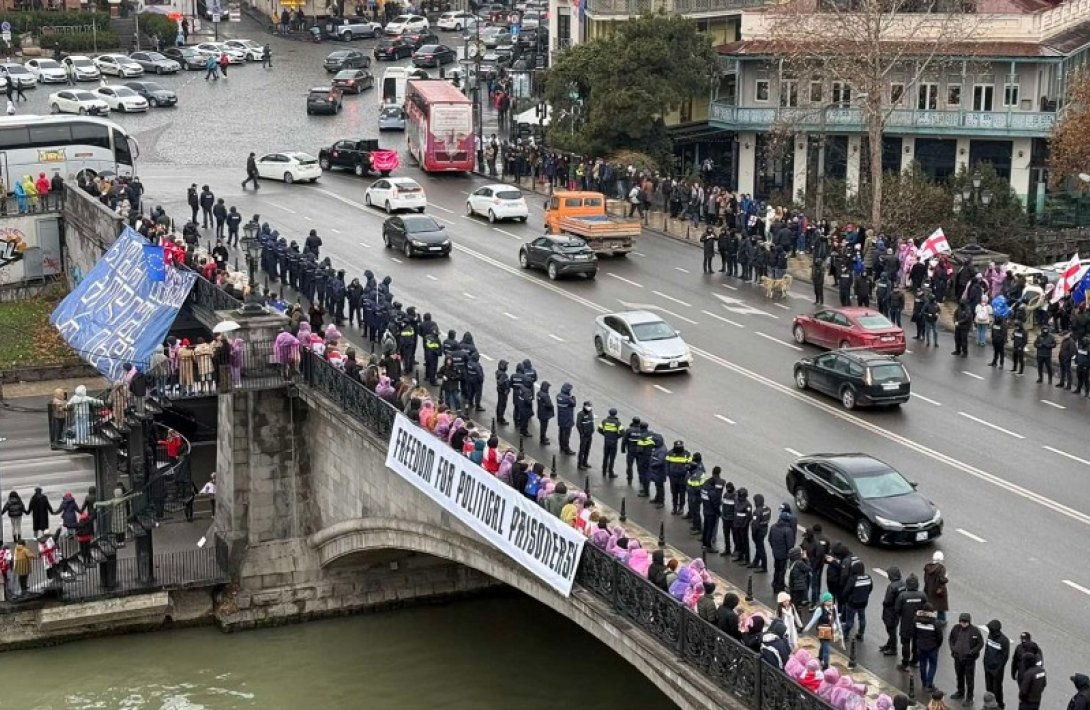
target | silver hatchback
[{"x": 642, "y": 340}]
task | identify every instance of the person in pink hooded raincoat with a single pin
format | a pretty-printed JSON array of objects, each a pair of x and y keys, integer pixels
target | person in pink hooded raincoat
[
  {"x": 682, "y": 583},
  {"x": 506, "y": 464},
  {"x": 848, "y": 695},
  {"x": 825, "y": 690},
  {"x": 385, "y": 390},
  {"x": 813, "y": 676},
  {"x": 796, "y": 664},
  {"x": 639, "y": 560}
]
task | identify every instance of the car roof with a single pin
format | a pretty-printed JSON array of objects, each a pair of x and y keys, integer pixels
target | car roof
[
  {"x": 637, "y": 317},
  {"x": 852, "y": 463},
  {"x": 566, "y": 239},
  {"x": 402, "y": 180},
  {"x": 500, "y": 186},
  {"x": 294, "y": 154},
  {"x": 866, "y": 356}
]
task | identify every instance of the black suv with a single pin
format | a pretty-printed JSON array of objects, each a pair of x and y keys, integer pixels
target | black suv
[
  {"x": 856, "y": 376},
  {"x": 559, "y": 255}
]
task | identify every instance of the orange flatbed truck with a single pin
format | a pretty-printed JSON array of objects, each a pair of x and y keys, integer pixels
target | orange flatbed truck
[{"x": 584, "y": 215}]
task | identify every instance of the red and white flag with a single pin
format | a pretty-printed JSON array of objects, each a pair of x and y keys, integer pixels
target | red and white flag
[
  {"x": 933, "y": 245},
  {"x": 1070, "y": 275}
]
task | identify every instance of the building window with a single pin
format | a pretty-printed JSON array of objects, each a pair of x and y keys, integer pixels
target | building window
[
  {"x": 983, "y": 94},
  {"x": 761, "y": 90},
  {"x": 816, "y": 91},
  {"x": 896, "y": 93},
  {"x": 842, "y": 93},
  {"x": 1010, "y": 94},
  {"x": 789, "y": 92},
  {"x": 953, "y": 95},
  {"x": 927, "y": 98}
]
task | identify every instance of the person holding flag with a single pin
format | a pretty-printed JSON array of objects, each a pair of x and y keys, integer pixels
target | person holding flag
[
  {"x": 933, "y": 246},
  {"x": 1070, "y": 276}
]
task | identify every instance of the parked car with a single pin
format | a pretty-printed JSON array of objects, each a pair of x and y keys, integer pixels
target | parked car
[
  {"x": 346, "y": 59},
  {"x": 118, "y": 65},
  {"x": 397, "y": 193},
  {"x": 434, "y": 55},
  {"x": 18, "y": 75},
  {"x": 155, "y": 63},
  {"x": 417, "y": 234},
  {"x": 866, "y": 495},
  {"x": 354, "y": 80},
  {"x": 360, "y": 156},
  {"x": 122, "y": 99},
  {"x": 234, "y": 56},
  {"x": 156, "y": 94},
  {"x": 498, "y": 202},
  {"x": 453, "y": 20},
  {"x": 347, "y": 29},
  {"x": 392, "y": 49},
  {"x": 492, "y": 37},
  {"x": 391, "y": 118},
  {"x": 642, "y": 340},
  {"x": 82, "y": 67},
  {"x": 407, "y": 23},
  {"x": 289, "y": 166},
  {"x": 254, "y": 51},
  {"x": 78, "y": 101},
  {"x": 559, "y": 255},
  {"x": 849, "y": 327},
  {"x": 190, "y": 58},
  {"x": 416, "y": 40},
  {"x": 48, "y": 71},
  {"x": 857, "y": 377},
  {"x": 324, "y": 99}
]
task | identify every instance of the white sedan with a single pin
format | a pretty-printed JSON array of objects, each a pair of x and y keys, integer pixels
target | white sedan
[
  {"x": 289, "y": 166},
  {"x": 498, "y": 202},
  {"x": 249, "y": 48},
  {"x": 396, "y": 193},
  {"x": 407, "y": 23},
  {"x": 76, "y": 101},
  {"x": 122, "y": 98},
  {"x": 118, "y": 65},
  {"x": 48, "y": 71},
  {"x": 234, "y": 56},
  {"x": 20, "y": 75},
  {"x": 83, "y": 68},
  {"x": 643, "y": 341}
]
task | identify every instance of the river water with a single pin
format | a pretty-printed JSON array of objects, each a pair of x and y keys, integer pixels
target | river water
[{"x": 493, "y": 652}]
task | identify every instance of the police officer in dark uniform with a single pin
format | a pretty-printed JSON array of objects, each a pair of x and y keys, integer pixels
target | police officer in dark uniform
[
  {"x": 340, "y": 291},
  {"x": 474, "y": 382},
  {"x": 762, "y": 516},
  {"x": 280, "y": 272},
  {"x": 711, "y": 498},
  {"x": 1082, "y": 366},
  {"x": 612, "y": 432},
  {"x": 629, "y": 440},
  {"x": 584, "y": 426},
  {"x": 313, "y": 244},
  {"x": 545, "y": 412},
  {"x": 354, "y": 292},
  {"x": 743, "y": 514},
  {"x": 726, "y": 514},
  {"x": 844, "y": 285},
  {"x": 310, "y": 276},
  {"x": 565, "y": 417},
  {"x": 677, "y": 465},
  {"x": 524, "y": 401},
  {"x": 1019, "y": 338},
  {"x": 503, "y": 389},
  {"x": 295, "y": 265},
  {"x": 694, "y": 482},
  {"x": 319, "y": 281},
  {"x": 645, "y": 446},
  {"x": 656, "y": 470},
  {"x": 406, "y": 340},
  {"x": 817, "y": 277}
]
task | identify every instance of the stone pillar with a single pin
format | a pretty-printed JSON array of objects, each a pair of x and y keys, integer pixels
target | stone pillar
[
  {"x": 1020, "y": 170},
  {"x": 800, "y": 163},
  {"x": 961, "y": 155},
  {"x": 908, "y": 151},
  {"x": 855, "y": 147},
  {"x": 747, "y": 162}
]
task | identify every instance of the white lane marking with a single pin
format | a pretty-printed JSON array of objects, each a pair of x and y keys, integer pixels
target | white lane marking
[
  {"x": 486, "y": 357},
  {"x": 671, "y": 298},
  {"x": 605, "y": 361},
  {"x": 660, "y": 388},
  {"x": 443, "y": 219},
  {"x": 471, "y": 219},
  {"x": 926, "y": 399},
  {"x": 470, "y": 296},
  {"x": 728, "y": 420},
  {"x": 653, "y": 307},
  {"x": 440, "y": 207},
  {"x": 725, "y": 320},
  {"x": 429, "y": 277},
  {"x": 971, "y": 536},
  {"x": 1073, "y": 457},
  {"x": 780, "y": 305},
  {"x": 365, "y": 245},
  {"x": 777, "y": 340},
  {"x": 1079, "y": 587},
  {"x": 732, "y": 288},
  {"x": 557, "y": 338},
  {"x": 1053, "y": 404},
  {"x": 505, "y": 232},
  {"x": 737, "y": 305},
  {"x": 1016, "y": 435},
  {"x": 335, "y": 231},
  {"x": 825, "y": 407},
  {"x": 621, "y": 278},
  {"x": 678, "y": 268},
  {"x": 307, "y": 218},
  {"x": 881, "y": 572},
  {"x": 512, "y": 316},
  {"x": 394, "y": 258},
  {"x": 791, "y": 451},
  {"x": 636, "y": 253},
  {"x": 279, "y": 206},
  {"x": 908, "y": 352},
  {"x": 972, "y": 374}
]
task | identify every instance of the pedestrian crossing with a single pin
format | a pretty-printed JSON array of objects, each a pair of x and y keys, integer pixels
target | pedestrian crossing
[{"x": 26, "y": 461}]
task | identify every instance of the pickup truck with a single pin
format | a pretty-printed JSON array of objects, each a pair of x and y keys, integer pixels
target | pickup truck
[
  {"x": 584, "y": 215},
  {"x": 363, "y": 157}
]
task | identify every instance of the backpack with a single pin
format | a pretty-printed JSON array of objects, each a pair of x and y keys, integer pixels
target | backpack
[{"x": 533, "y": 485}]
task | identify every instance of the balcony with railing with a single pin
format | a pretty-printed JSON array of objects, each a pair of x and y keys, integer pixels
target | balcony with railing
[
  {"x": 998, "y": 124},
  {"x": 632, "y": 8}
]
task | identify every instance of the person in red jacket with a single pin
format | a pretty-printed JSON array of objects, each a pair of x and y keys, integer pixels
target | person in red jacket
[
  {"x": 85, "y": 532},
  {"x": 42, "y": 185},
  {"x": 172, "y": 445}
]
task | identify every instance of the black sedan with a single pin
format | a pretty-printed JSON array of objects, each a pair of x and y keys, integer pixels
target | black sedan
[
  {"x": 392, "y": 49},
  {"x": 155, "y": 93},
  {"x": 346, "y": 59},
  {"x": 863, "y": 493},
  {"x": 434, "y": 55},
  {"x": 190, "y": 58},
  {"x": 560, "y": 255},
  {"x": 354, "y": 80},
  {"x": 417, "y": 234},
  {"x": 324, "y": 99}
]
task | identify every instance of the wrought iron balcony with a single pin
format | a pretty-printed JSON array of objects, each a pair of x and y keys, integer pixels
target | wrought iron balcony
[{"x": 1031, "y": 124}]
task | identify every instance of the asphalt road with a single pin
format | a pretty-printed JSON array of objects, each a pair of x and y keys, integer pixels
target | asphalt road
[{"x": 1002, "y": 456}]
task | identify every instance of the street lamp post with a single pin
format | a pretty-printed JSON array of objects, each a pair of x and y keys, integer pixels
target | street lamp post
[
  {"x": 972, "y": 198},
  {"x": 249, "y": 243}
]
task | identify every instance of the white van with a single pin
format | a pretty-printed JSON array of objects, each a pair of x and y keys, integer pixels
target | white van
[{"x": 392, "y": 90}]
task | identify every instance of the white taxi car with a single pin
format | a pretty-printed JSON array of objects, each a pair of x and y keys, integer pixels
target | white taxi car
[
  {"x": 78, "y": 101},
  {"x": 407, "y": 23},
  {"x": 642, "y": 340},
  {"x": 396, "y": 193},
  {"x": 248, "y": 47},
  {"x": 498, "y": 202},
  {"x": 234, "y": 56},
  {"x": 289, "y": 166},
  {"x": 48, "y": 71},
  {"x": 118, "y": 65},
  {"x": 122, "y": 99}
]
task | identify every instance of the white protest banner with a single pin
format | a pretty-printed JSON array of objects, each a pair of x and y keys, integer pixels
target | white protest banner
[{"x": 514, "y": 524}]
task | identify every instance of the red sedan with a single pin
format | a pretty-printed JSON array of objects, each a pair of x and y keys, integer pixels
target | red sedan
[{"x": 850, "y": 327}]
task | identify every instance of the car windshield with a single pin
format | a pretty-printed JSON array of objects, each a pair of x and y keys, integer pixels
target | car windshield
[
  {"x": 882, "y": 484},
  {"x": 874, "y": 321},
  {"x": 122, "y": 91},
  {"x": 346, "y": 74},
  {"x": 48, "y": 64},
  {"x": 83, "y": 62},
  {"x": 126, "y": 60},
  {"x": 152, "y": 86},
  {"x": 887, "y": 373},
  {"x": 427, "y": 48},
  {"x": 509, "y": 195},
  {"x": 16, "y": 69},
  {"x": 338, "y": 55},
  {"x": 573, "y": 247},
  {"x": 654, "y": 330},
  {"x": 420, "y": 224},
  {"x": 85, "y": 96},
  {"x": 154, "y": 56},
  {"x": 391, "y": 112},
  {"x": 407, "y": 186}
]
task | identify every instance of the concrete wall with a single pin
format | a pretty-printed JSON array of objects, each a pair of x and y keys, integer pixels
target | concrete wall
[{"x": 90, "y": 229}]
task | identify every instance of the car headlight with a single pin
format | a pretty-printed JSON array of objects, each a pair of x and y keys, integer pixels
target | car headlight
[
  {"x": 417, "y": 243},
  {"x": 938, "y": 517},
  {"x": 888, "y": 524},
  {"x": 446, "y": 243}
]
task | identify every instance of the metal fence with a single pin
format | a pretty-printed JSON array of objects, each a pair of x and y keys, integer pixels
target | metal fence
[
  {"x": 349, "y": 394},
  {"x": 727, "y": 663},
  {"x": 15, "y": 206},
  {"x": 198, "y": 567},
  {"x": 207, "y": 295},
  {"x": 223, "y": 368}
]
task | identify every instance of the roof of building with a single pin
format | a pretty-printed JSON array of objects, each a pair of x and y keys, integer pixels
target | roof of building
[
  {"x": 1073, "y": 39},
  {"x": 766, "y": 48}
]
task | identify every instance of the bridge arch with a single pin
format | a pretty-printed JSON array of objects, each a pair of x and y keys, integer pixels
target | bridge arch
[{"x": 675, "y": 679}]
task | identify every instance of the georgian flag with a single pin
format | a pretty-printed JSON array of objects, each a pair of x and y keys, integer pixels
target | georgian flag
[
  {"x": 933, "y": 245},
  {"x": 1070, "y": 275}
]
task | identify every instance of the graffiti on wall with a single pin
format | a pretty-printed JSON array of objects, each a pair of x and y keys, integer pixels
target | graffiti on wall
[{"x": 29, "y": 250}]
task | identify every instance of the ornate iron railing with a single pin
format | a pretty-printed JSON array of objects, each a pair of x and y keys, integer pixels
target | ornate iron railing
[
  {"x": 206, "y": 294},
  {"x": 727, "y": 663},
  {"x": 351, "y": 395}
]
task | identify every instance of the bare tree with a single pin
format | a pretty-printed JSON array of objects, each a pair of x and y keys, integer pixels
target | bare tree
[{"x": 863, "y": 44}]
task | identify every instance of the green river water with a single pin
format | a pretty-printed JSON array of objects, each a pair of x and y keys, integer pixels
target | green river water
[{"x": 494, "y": 652}]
